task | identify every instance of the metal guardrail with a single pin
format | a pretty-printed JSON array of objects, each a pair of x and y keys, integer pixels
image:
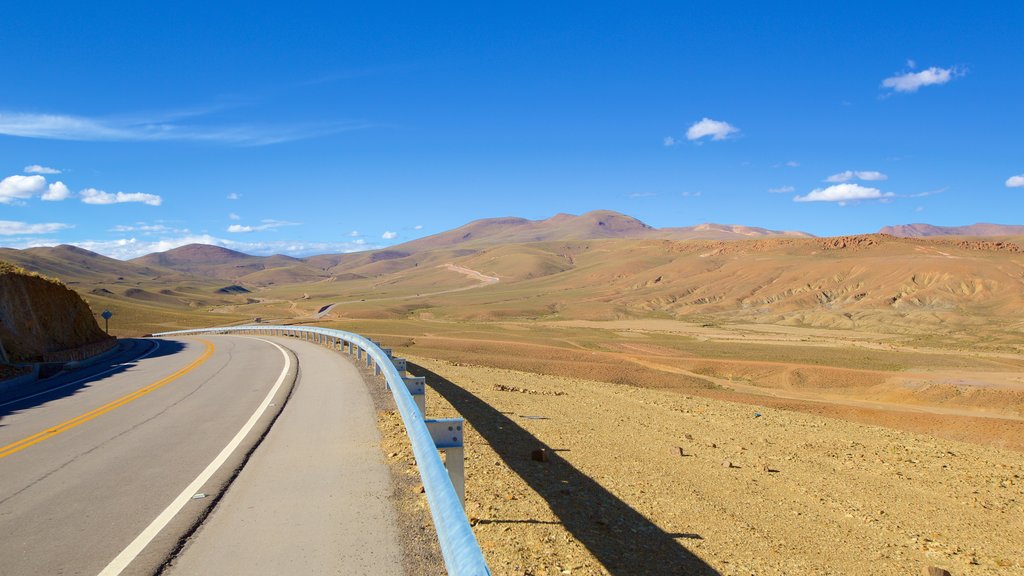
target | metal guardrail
[{"x": 443, "y": 482}]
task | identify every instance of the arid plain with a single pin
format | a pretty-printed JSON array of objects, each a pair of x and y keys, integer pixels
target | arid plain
[{"x": 719, "y": 399}]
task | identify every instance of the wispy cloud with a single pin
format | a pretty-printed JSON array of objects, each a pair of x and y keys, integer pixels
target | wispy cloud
[
  {"x": 159, "y": 127},
  {"x": 389, "y": 235},
  {"x": 1015, "y": 181},
  {"x": 14, "y": 189},
  {"x": 233, "y": 216},
  {"x": 37, "y": 169},
  {"x": 642, "y": 194},
  {"x": 94, "y": 196},
  {"x": 912, "y": 81},
  {"x": 418, "y": 227},
  {"x": 668, "y": 141},
  {"x": 149, "y": 229},
  {"x": 690, "y": 194},
  {"x": 265, "y": 225},
  {"x": 714, "y": 129},
  {"x": 782, "y": 190},
  {"x": 234, "y": 196},
  {"x": 843, "y": 193},
  {"x": 11, "y": 228},
  {"x": 846, "y": 176}
]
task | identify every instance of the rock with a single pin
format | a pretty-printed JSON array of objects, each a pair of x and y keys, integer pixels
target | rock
[
  {"x": 539, "y": 455},
  {"x": 688, "y": 436},
  {"x": 934, "y": 571},
  {"x": 681, "y": 451},
  {"x": 728, "y": 464}
]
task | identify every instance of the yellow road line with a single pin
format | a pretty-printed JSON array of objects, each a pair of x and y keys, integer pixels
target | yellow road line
[{"x": 78, "y": 420}]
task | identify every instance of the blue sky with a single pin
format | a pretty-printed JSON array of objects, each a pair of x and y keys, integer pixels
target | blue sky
[{"x": 308, "y": 129}]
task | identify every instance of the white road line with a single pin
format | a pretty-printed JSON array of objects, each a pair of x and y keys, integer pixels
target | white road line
[
  {"x": 80, "y": 380},
  {"x": 118, "y": 564}
]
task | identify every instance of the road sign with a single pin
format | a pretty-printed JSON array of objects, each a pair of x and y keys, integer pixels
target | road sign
[
  {"x": 106, "y": 320},
  {"x": 107, "y": 314}
]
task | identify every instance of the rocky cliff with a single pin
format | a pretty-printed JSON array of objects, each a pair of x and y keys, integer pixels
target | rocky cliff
[{"x": 41, "y": 319}]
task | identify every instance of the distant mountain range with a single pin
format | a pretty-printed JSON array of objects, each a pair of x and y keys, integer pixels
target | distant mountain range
[
  {"x": 598, "y": 265},
  {"x": 980, "y": 229}
]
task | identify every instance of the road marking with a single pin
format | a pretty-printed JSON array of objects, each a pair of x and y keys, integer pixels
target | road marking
[
  {"x": 38, "y": 437},
  {"x": 118, "y": 564},
  {"x": 156, "y": 344}
]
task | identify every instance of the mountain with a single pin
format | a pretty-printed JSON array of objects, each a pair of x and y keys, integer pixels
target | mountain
[
  {"x": 226, "y": 264},
  {"x": 76, "y": 265},
  {"x": 980, "y": 229},
  {"x": 568, "y": 227}
]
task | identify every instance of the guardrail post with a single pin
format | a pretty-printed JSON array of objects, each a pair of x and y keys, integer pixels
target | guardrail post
[
  {"x": 417, "y": 386},
  {"x": 447, "y": 436},
  {"x": 399, "y": 364}
]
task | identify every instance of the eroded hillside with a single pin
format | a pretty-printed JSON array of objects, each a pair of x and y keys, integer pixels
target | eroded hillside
[{"x": 40, "y": 316}]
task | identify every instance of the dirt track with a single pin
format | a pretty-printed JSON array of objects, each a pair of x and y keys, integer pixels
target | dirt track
[{"x": 802, "y": 494}]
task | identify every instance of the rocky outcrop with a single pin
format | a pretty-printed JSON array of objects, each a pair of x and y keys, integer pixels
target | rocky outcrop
[{"x": 42, "y": 319}]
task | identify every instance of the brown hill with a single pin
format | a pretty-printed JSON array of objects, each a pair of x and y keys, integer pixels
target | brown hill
[
  {"x": 79, "y": 266},
  {"x": 216, "y": 262},
  {"x": 40, "y": 316},
  {"x": 980, "y": 229},
  {"x": 566, "y": 227}
]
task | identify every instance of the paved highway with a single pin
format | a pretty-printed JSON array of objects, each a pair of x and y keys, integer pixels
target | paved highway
[{"x": 99, "y": 476}]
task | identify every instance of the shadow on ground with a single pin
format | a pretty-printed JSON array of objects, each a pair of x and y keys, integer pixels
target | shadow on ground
[
  {"x": 71, "y": 382},
  {"x": 622, "y": 539}
]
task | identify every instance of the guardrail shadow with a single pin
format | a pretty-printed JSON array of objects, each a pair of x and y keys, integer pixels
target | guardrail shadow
[
  {"x": 71, "y": 383},
  {"x": 622, "y": 539}
]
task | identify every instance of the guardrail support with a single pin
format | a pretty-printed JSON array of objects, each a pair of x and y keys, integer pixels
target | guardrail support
[
  {"x": 447, "y": 436},
  {"x": 399, "y": 364},
  {"x": 417, "y": 386}
]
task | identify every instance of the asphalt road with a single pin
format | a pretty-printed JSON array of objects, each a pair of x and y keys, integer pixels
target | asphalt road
[
  {"x": 88, "y": 469},
  {"x": 315, "y": 497}
]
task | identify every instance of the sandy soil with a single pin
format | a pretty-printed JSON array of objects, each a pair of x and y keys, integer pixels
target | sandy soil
[{"x": 646, "y": 481}]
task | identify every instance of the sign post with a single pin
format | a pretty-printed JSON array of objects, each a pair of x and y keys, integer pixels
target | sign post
[{"x": 106, "y": 320}]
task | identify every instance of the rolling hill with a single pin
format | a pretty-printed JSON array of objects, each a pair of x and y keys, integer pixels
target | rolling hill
[{"x": 980, "y": 229}]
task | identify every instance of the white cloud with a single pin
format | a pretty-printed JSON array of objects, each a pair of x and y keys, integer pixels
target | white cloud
[
  {"x": 389, "y": 235},
  {"x": 642, "y": 194},
  {"x": 707, "y": 127},
  {"x": 234, "y": 196},
  {"x": 912, "y": 81},
  {"x": 418, "y": 227},
  {"x": 782, "y": 190},
  {"x": 158, "y": 127},
  {"x": 266, "y": 225},
  {"x": 233, "y": 216},
  {"x": 668, "y": 141},
  {"x": 56, "y": 192},
  {"x": 37, "y": 169},
  {"x": 848, "y": 175},
  {"x": 911, "y": 63},
  {"x": 690, "y": 194},
  {"x": 1015, "y": 181},
  {"x": 94, "y": 196},
  {"x": 15, "y": 188},
  {"x": 792, "y": 164},
  {"x": 843, "y": 193},
  {"x": 354, "y": 234},
  {"x": 10, "y": 228}
]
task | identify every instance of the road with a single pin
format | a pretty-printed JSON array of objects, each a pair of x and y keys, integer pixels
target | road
[{"x": 108, "y": 475}]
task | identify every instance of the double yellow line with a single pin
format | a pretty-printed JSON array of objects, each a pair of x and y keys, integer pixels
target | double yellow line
[{"x": 79, "y": 420}]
